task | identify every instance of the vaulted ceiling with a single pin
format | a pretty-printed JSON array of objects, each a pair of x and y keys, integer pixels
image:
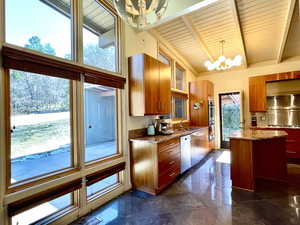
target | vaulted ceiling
[{"x": 258, "y": 30}]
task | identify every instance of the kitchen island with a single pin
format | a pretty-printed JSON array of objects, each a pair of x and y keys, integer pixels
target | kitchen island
[{"x": 257, "y": 154}]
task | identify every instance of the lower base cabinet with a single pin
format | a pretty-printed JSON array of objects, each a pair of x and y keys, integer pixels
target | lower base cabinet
[
  {"x": 154, "y": 166},
  {"x": 292, "y": 142},
  {"x": 200, "y": 145}
]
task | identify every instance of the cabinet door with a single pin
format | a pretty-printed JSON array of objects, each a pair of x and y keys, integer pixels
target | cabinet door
[
  {"x": 210, "y": 89},
  {"x": 164, "y": 89},
  {"x": 151, "y": 85},
  {"x": 198, "y": 95},
  {"x": 200, "y": 145},
  {"x": 257, "y": 94}
]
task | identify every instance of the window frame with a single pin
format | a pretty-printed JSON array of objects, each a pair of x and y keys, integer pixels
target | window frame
[
  {"x": 119, "y": 152},
  {"x": 185, "y": 98},
  {"x": 178, "y": 66},
  {"x": 18, "y": 185}
]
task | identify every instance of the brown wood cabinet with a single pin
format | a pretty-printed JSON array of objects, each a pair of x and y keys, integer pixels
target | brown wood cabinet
[
  {"x": 200, "y": 145},
  {"x": 292, "y": 142},
  {"x": 200, "y": 92},
  {"x": 154, "y": 165},
  {"x": 257, "y": 88},
  {"x": 149, "y": 86},
  {"x": 257, "y": 94}
]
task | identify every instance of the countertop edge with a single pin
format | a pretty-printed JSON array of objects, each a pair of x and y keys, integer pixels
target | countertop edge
[{"x": 165, "y": 137}]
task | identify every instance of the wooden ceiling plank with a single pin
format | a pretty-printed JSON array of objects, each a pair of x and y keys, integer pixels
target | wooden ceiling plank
[
  {"x": 173, "y": 50},
  {"x": 196, "y": 36},
  {"x": 239, "y": 28},
  {"x": 289, "y": 15}
]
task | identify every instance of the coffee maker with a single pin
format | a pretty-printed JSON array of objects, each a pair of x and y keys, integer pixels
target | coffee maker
[{"x": 163, "y": 126}]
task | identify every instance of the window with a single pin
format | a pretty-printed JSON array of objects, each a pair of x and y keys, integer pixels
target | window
[
  {"x": 180, "y": 78},
  {"x": 37, "y": 214},
  {"x": 179, "y": 106},
  {"x": 99, "y": 37},
  {"x": 39, "y": 25},
  {"x": 164, "y": 59},
  {"x": 100, "y": 121},
  {"x": 40, "y": 124},
  {"x": 99, "y": 186}
]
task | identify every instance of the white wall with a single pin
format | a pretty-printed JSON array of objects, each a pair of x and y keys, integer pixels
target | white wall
[{"x": 238, "y": 80}]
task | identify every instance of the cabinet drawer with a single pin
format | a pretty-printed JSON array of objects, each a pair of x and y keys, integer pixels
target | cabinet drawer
[
  {"x": 169, "y": 176},
  {"x": 167, "y": 145},
  {"x": 171, "y": 160}
]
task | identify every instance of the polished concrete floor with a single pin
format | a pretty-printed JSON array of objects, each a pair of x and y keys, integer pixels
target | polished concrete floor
[{"x": 203, "y": 196}]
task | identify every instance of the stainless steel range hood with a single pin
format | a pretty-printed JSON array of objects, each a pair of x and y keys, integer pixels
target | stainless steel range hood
[{"x": 284, "y": 110}]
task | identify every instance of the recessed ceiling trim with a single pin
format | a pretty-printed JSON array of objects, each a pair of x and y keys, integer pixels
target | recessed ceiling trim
[
  {"x": 239, "y": 28},
  {"x": 290, "y": 11}
]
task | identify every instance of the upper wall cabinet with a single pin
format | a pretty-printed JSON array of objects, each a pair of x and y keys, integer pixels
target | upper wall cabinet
[
  {"x": 200, "y": 92},
  {"x": 149, "y": 86},
  {"x": 257, "y": 94}
]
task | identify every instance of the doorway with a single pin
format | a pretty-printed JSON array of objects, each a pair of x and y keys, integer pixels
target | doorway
[{"x": 230, "y": 115}]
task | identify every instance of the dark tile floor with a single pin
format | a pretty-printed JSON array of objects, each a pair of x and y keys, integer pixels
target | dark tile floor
[{"x": 202, "y": 196}]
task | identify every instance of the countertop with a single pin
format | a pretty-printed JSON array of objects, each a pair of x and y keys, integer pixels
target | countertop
[
  {"x": 161, "y": 138},
  {"x": 273, "y": 127},
  {"x": 250, "y": 134}
]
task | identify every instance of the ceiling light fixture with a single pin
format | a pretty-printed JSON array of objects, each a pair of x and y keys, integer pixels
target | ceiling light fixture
[
  {"x": 140, "y": 13},
  {"x": 223, "y": 63}
]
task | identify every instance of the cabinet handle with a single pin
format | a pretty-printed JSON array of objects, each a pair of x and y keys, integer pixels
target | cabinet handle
[
  {"x": 172, "y": 174},
  {"x": 172, "y": 162},
  {"x": 292, "y": 152}
]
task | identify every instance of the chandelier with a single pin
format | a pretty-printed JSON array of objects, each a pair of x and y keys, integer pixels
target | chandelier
[
  {"x": 223, "y": 63},
  {"x": 140, "y": 13}
]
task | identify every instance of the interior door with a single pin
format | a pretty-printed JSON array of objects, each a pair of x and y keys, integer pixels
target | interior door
[{"x": 231, "y": 115}]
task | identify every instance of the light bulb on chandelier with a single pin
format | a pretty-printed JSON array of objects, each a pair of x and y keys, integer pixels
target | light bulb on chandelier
[{"x": 223, "y": 63}]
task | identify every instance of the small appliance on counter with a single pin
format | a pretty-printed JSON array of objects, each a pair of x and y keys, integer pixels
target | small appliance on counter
[
  {"x": 151, "y": 130},
  {"x": 163, "y": 126},
  {"x": 253, "y": 120}
]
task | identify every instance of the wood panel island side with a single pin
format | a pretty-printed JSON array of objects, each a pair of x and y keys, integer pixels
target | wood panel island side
[{"x": 257, "y": 154}]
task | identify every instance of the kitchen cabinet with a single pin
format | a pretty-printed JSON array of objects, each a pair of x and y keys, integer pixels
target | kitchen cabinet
[
  {"x": 149, "y": 86},
  {"x": 257, "y": 94},
  {"x": 257, "y": 88},
  {"x": 292, "y": 142},
  {"x": 200, "y": 145},
  {"x": 154, "y": 166},
  {"x": 200, "y": 93}
]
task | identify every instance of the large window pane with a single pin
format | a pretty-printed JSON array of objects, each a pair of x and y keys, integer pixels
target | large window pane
[
  {"x": 40, "y": 124},
  {"x": 41, "y": 25},
  {"x": 101, "y": 185},
  {"x": 179, "y": 108},
  {"x": 179, "y": 79},
  {"x": 164, "y": 59},
  {"x": 32, "y": 216},
  {"x": 99, "y": 37},
  {"x": 100, "y": 121}
]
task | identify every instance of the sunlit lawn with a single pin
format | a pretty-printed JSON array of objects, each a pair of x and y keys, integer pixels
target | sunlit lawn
[{"x": 41, "y": 137}]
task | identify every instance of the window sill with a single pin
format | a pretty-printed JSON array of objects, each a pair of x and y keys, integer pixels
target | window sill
[
  {"x": 184, "y": 92},
  {"x": 177, "y": 121}
]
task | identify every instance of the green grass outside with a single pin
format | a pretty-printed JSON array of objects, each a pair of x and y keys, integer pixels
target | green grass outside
[{"x": 30, "y": 139}]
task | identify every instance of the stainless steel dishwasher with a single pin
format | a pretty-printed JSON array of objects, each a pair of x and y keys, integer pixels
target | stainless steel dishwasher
[{"x": 186, "y": 154}]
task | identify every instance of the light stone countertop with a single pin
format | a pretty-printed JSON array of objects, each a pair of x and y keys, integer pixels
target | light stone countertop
[
  {"x": 251, "y": 134},
  {"x": 162, "y": 138}
]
